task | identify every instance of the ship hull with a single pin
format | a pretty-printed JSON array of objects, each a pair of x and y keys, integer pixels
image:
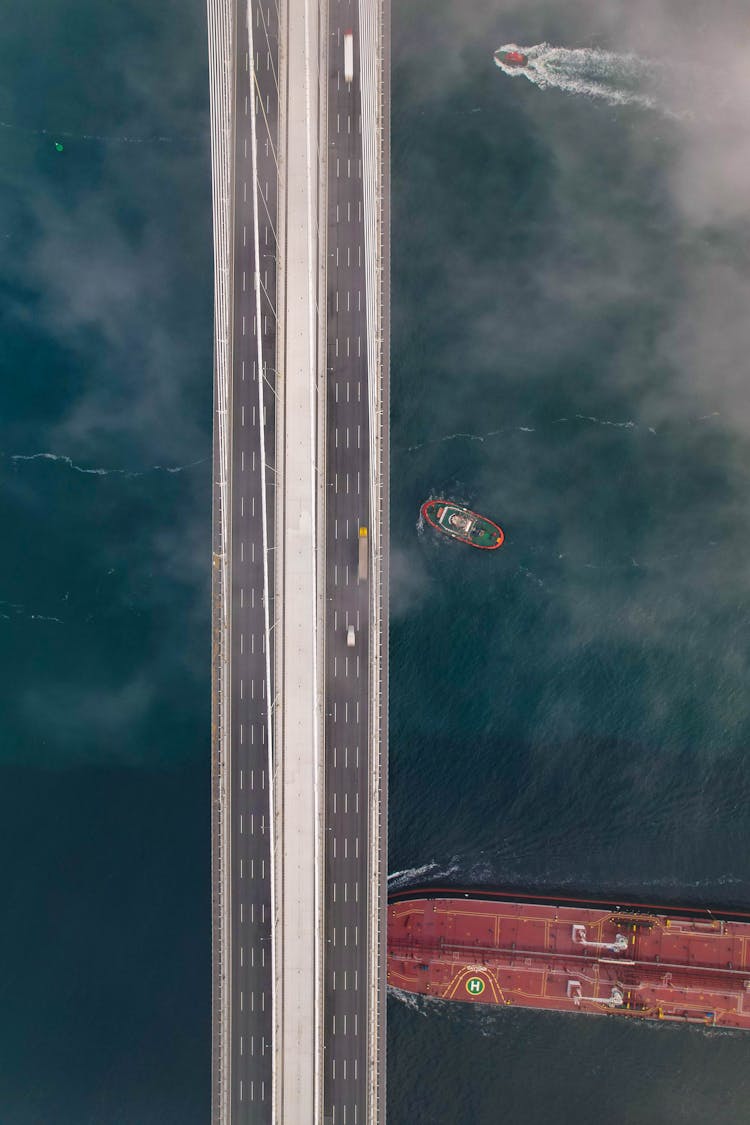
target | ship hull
[
  {"x": 444, "y": 515},
  {"x": 683, "y": 967}
]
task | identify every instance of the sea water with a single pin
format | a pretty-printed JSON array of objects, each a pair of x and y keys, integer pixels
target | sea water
[
  {"x": 105, "y": 486},
  {"x": 571, "y": 267}
]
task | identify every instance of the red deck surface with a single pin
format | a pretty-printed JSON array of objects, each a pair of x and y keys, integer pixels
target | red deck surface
[{"x": 685, "y": 969}]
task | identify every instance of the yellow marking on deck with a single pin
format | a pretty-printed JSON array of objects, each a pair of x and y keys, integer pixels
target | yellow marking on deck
[{"x": 465, "y": 973}]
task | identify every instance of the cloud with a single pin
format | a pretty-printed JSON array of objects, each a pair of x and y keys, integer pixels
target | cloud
[
  {"x": 107, "y": 299},
  {"x": 589, "y": 281},
  {"x": 107, "y": 374},
  {"x": 111, "y": 270},
  {"x": 408, "y": 581},
  {"x": 87, "y": 722},
  {"x": 664, "y": 212}
]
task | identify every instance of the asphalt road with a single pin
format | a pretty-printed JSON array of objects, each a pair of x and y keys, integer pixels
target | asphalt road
[
  {"x": 346, "y": 669},
  {"x": 347, "y": 600},
  {"x": 251, "y": 978}
]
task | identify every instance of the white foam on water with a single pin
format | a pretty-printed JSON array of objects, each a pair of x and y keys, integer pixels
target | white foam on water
[
  {"x": 102, "y": 138},
  {"x": 410, "y": 875},
  {"x": 417, "y": 1001},
  {"x": 65, "y": 461},
  {"x": 70, "y": 463},
  {"x": 587, "y": 72},
  {"x": 19, "y": 611}
]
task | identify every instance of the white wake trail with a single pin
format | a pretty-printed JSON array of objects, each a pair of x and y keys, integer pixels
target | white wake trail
[
  {"x": 413, "y": 875},
  {"x": 588, "y": 72},
  {"x": 63, "y": 459}
]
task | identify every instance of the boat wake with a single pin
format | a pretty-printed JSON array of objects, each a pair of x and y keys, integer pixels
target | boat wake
[
  {"x": 415, "y": 875},
  {"x": 419, "y": 1003},
  {"x": 588, "y": 72},
  {"x": 63, "y": 459}
]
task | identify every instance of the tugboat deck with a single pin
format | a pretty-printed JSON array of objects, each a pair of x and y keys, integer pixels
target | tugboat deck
[{"x": 462, "y": 524}]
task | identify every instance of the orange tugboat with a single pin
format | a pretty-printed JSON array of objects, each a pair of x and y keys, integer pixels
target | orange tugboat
[
  {"x": 632, "y": 960},
  {"x": 460, "y": 523}
]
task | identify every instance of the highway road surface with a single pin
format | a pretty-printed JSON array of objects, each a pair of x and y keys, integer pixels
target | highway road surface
[
  {"x": 251, "y": 966},
  {"x": 247, "y": 980},
  {"x": 347, "y": 766}
]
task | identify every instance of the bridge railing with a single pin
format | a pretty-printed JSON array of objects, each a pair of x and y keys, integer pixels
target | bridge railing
[
  {"x": 374, "y": 28},
  {"x": 220, "y": 42}
]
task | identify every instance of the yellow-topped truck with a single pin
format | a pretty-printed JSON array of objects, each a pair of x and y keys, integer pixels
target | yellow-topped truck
[{"x": 363, "y": 555}]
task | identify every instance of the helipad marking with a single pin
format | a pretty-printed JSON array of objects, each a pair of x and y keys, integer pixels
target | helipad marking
[{"x": 475, "y": 986}]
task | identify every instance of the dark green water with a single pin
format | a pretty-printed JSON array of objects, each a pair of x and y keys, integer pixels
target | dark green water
[
  {"x": 106, "y": 360},
  {"x": 569, "y": 357}
]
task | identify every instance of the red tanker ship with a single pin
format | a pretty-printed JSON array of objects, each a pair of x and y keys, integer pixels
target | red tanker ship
[{"x": 633, "y": 961}]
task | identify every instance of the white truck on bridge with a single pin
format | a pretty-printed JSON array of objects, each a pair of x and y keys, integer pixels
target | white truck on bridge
[{"x": 349, "y": 56}]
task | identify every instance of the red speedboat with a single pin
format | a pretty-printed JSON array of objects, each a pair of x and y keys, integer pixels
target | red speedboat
[{"x": 512, "y": 57}]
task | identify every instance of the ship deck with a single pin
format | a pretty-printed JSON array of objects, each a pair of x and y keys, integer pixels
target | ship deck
[
  {"x": 479, "y": 530},
  {"x": 686, "y": 969}
]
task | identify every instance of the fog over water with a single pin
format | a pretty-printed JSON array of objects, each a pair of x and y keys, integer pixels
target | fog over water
[
  {"x": 105, "y": 443},
  {"x": 570, "y": 289}
]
